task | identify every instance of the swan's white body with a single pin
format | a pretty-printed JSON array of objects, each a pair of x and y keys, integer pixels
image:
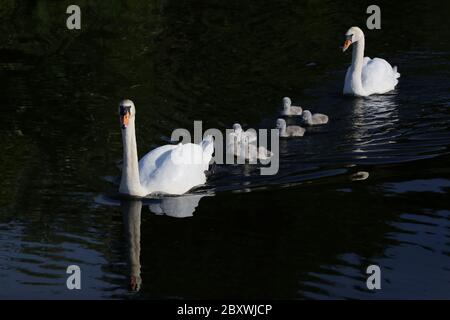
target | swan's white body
[
  {"x": 367, "y": 76},
  {"x": 241, "y": 135},
  {"x": 289, "y": 109},
  {"x": 289, "y": 131},
  {"x": 314, "y": 119},
  {"x": 171, "y": 169}
]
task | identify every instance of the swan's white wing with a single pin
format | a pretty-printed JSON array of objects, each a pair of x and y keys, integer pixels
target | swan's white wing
[
  {"x": 320, "y": 118},
  {"x": 180, "y": 170},
  {"x": 366, "y": 60},
  {"x": 263, "y": 153},
  {"x": 148, "y": 162},
  {"x": 378, "y": 76},
  {"x": 177, "y": 169},
  {"x": 247, "y": 151},
  {"x": 250, "y": 135},
  {"x": 232, "y": 143}
]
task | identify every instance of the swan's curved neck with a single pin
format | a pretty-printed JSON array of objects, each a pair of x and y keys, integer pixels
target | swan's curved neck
[
  {"x": 130, "y": 183},
  {"x": 357, "y": 64}
]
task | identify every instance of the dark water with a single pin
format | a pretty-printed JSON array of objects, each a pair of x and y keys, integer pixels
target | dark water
[{"x": 369, "y": 188}]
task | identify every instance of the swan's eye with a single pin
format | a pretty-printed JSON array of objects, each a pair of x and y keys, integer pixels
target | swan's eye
[
  {"x": 123, "y": 110},
  {"x": 349, "y": 37}
]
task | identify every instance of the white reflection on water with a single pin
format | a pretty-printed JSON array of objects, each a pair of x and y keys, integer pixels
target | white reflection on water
[
  {"x": 173, "y": 206},
  {"x": 372, "y": 117},
  {"x": 177, "y": 207}
]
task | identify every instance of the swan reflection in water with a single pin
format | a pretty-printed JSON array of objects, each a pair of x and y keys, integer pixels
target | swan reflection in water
[
  {"x": 178, "y": 207},
  {"x": 373, "y": 123},
  {"x": 131, "y": 213},
  {"x": 378, "y": 113}
]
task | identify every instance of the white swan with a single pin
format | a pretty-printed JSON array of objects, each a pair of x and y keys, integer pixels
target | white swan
[
  {"x": 289, "y": 109},
  {"x": 366, "y": 76},
  {"x": 172, "y": 169},
  {"x": 237, "y": 137},
  {"x": 241, "y": 135},
  {"x": 243, "y": 144},
  {"x": 289, "y": 131},
  {"x": 314, "y": 119}
]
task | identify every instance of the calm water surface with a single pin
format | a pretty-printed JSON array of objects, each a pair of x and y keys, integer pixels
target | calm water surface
[{"x": 372, "y": 187}]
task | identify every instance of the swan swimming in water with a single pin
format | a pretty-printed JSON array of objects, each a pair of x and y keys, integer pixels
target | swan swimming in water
[
  {"x": 314, "y": 119},
  {"x": 240, "y": 134},
  {"x": 243, "y": 144},
  {"x": 172, "y": 169},
  {"x": 366, "y": 76},
  {"x": 289, "y": 131},
  {"x": 289, "y": 109}
]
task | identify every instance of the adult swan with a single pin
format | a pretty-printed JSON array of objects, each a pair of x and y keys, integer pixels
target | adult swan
[
  {"x": 366, "y": 76},
  {"x": 172, "y": 169}
]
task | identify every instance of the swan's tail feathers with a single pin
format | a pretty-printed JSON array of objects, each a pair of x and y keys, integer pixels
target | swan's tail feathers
[
  {"x": 396, "y": 74},
  {"x": 208, "y": 149}
]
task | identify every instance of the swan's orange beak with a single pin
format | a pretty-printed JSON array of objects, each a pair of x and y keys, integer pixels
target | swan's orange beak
[
  {"x": 347, "y": 44},
  {"x": 124, "y": 120}
]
